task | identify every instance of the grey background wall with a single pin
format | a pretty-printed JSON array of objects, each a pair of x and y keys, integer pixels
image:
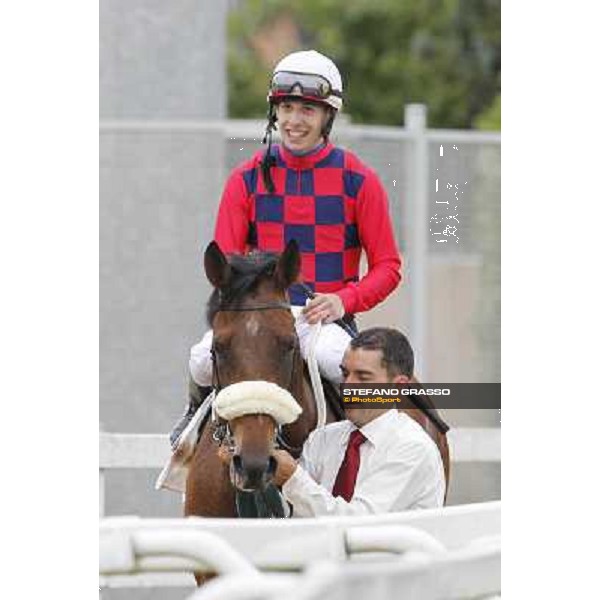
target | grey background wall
[
  {"x": 158, "y": 62},
  {"x": 162, "y": 60}
]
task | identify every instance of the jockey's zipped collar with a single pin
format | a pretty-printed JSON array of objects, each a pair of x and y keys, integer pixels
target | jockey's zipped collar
[{"x": 306, "y": 161}]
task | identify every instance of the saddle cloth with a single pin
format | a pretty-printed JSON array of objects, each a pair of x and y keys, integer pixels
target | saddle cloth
[{"x": 175, "y": 472}]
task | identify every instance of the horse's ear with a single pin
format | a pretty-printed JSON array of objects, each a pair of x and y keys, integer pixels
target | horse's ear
[
  {"x": 216, "y": 267},
  {"x": 288, "y": 266}
]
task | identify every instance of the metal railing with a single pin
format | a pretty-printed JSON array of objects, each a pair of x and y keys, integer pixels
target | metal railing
[{"x": 453, "y": 549}]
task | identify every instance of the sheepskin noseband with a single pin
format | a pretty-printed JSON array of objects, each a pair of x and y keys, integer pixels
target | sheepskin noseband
[{"x": 257, "y": 397}]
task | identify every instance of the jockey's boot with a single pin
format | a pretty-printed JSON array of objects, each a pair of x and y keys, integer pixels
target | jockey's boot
[{"x": 197, "y": 395}]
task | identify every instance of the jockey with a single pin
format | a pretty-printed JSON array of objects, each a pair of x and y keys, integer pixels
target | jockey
[{"x": 322, "y": 196}]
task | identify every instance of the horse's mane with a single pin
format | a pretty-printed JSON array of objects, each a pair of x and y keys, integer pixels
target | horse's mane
[{"x": 247, "y": 271}]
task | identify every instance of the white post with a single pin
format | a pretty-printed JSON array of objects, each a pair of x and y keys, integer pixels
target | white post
[
  {"x": 417, "y": 268},
  {"x": 101, "y": 490},
  {"x": 101, "y": 483},
  {"x": 101, "y": 507}
]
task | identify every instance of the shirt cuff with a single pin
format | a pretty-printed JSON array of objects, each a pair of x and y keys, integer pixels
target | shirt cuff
[{"x": 294, "y": 483}]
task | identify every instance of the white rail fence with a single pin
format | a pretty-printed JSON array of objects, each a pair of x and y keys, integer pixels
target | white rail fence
[
  {"x": 452, "y": 552},
  {"x": 151, "y": 451}
]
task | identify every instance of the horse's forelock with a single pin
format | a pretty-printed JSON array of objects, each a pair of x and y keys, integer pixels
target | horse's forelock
[{"x": 247, "y": 273}]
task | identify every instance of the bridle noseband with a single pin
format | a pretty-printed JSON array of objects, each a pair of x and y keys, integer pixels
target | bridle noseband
[{"x": 253, "y": 307}]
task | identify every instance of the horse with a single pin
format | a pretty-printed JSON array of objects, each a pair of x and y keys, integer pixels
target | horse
[{"x": 254, "y": 338}]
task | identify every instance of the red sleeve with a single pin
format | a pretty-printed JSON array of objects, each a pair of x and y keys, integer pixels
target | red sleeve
[
  {"x": 377, "y": 238},
  {"x": 233, "y": 218}
]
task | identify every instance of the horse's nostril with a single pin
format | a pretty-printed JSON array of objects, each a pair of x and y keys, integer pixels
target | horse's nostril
[
  {"x": 238, "y": 464},
  {"x": 272, "y": 466}
]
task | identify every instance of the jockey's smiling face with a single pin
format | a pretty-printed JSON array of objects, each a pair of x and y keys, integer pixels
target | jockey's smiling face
[
  {"x": 301, "y": 123},
  {"x": 363, "y": 366}
]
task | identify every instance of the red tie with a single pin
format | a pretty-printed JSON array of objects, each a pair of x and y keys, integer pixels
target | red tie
[{"x": 346, "y": 477}]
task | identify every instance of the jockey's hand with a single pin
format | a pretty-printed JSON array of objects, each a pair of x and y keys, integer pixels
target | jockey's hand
[
  {"x": 224, "y": 454},
  {"x": 286, "y": 465},
  {"x": 324, "y": 307}
]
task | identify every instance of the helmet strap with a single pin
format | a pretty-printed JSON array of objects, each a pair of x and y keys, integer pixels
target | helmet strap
[
  {"x": 268, "y": 161},
  {"x": 327, "y": 127}
]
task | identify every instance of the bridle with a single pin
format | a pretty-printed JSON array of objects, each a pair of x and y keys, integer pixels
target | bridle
[{"x": 222, "y": 433}]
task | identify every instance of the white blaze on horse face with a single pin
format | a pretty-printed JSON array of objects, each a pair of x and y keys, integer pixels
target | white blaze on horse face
[{"x": 252, "y": 326}]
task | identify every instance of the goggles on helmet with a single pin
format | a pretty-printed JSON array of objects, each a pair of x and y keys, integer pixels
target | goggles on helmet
[{"x": 284, "y": 83}]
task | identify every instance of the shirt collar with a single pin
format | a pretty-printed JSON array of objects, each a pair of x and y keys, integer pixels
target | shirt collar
[
  {"x": 306, "y": 161},
  {"x": 314, "y": 150},
  {"x": 376, "y": 431}
]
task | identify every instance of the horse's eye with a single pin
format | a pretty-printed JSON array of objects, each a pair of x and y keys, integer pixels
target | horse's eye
[
  {"x": 287, "y": 344},
  {"x": 219, "y": 348}
]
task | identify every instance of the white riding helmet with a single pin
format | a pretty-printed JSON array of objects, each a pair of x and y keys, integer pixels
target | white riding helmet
[{"x": 307, "y": 74}]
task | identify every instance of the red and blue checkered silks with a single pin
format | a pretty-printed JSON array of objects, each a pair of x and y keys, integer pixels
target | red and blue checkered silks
[{"x": 332, "y": 205}]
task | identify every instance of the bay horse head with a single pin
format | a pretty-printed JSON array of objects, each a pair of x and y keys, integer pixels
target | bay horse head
[{"x": 254, "y": 340}]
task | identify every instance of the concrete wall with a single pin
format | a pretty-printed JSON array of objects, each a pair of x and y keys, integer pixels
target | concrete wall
[
  {"x": 159, "y": 194},
  {"x": 162, "y": 59},
  {"x": 158, "y": 188}
]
